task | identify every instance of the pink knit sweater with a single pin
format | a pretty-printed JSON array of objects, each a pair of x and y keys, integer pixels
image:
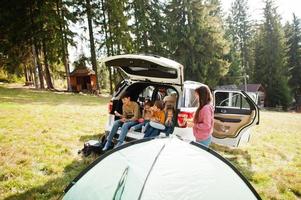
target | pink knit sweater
[{"x": 204, "y": 127}]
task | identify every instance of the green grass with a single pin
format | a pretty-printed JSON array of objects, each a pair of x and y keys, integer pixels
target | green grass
[
  {"x": 40, "y": 133},
  {"x": 272, "y": 159}
]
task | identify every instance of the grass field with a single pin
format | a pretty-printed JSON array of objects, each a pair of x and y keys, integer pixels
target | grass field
[{"x": 41, "y": 132}]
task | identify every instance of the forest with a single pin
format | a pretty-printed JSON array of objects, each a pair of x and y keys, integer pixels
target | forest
[{"x": 215, "y": 48}]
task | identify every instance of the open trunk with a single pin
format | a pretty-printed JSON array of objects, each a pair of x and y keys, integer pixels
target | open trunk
[{"x": 147, "y": 68}]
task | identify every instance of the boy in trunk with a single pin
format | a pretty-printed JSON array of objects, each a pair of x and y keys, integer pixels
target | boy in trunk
[{"x": 129, "y": 117}]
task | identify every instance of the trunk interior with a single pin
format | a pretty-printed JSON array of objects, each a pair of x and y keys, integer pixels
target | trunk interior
[{"x": 146, "y": 91}]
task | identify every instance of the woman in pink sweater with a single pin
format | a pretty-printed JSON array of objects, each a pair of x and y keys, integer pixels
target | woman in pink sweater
[{"x": 203, "y": 117}]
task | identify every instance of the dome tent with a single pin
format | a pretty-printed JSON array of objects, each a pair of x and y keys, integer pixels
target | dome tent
[{"x": 165, "y": 168}]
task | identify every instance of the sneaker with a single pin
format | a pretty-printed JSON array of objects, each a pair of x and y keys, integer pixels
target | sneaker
[{"x": 107, "y": 146}]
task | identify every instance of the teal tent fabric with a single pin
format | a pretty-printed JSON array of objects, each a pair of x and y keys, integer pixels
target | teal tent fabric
[{"x": 166, "y": 168}]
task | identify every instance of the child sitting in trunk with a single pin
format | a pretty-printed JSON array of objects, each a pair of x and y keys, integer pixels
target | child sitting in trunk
[
  {"x": 170, "y": 102},
  {"x": 129, "y": 117},
  {"x": 146, "y": 117},
  {"x": 169, "y": 124},
  {"x": 158, "y": 117}
]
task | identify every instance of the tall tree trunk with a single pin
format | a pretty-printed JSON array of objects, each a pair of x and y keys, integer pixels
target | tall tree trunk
[
  {"x": 145, "y": 42},
  {"x": 46, "y": 64},
  {"x": 111, "y": 47},
  {"x": 64, "y": 43},
  {"x": 111, "y": 81},
  {"x": 92, "y": 45},
  {"x": 103, "y": 8},
  {"x": 36, "y": 54},
  {"x": 110, "y": 33},
  {"x": 34, "y": 62},
  {"x": 26, "y": 74},
  {"x": 106, "y": 41},
  {"x": 30, "y": 74},
  {"x": 39, "y": 66},
  {"x": 66, "y": 61},
  {"x": 118, "y": 48},
  {"x": 137, "y": 32}
]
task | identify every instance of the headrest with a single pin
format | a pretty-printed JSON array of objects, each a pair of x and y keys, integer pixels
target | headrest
[{"x": 170, "y": 101}]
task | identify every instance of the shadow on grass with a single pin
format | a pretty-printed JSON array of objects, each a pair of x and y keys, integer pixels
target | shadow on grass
[
  {"x": 85, "y": 138},
  {"x": 241, "y": 159},
  {"x": 32, "y": 96},
  {"x": 54, "y": 189}
]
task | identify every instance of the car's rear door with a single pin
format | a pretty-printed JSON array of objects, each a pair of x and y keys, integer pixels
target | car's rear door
[
  {"x": 147, "y": 68},
  {"x": 235, "y": 112}
]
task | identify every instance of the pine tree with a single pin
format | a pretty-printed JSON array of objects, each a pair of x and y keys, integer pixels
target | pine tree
[
  {"x": 53, "y": 37},
  {"x": 196, "y": 39},
  {"x": 141, "y": 25},
  {"x": 64, "y": 15},
  {"x": 119, "y": 31},
  {"x": 14, "y": 47},
  {"x": 293, "y": 35},
  {"x": 48, "y": 38},
  {"x": 88, "y": 9},
  {"x": 270, "y": 59},
  {"x": 36, "y": 34},
  {"x": 239, "y": 32},
  {"x": 114, "y": 17},
  {"x": 157, "y": 30},
  {"x": 148, "y": 27},
  {"x": 101, "y": 19}
]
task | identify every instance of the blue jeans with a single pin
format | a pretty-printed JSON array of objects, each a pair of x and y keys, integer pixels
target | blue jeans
[
  {"x": 139, "y": 126},
  {"x": 206, "y": 142},
  {"x": 168, "y": 130},
  {"x": 124, "y": 130},
  {"x": 150, "y": 131}
]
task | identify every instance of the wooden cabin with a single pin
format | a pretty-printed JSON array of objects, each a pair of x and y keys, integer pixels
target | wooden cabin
[{"x": 83, "y": 80}]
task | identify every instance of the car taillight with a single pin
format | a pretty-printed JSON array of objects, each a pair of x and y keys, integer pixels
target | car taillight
[
  {"x": 110, "y": 106},
  {"x": 183, "y": 117}
]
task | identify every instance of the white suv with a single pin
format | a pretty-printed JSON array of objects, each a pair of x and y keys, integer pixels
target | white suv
[{"x": 145, "y": 75}]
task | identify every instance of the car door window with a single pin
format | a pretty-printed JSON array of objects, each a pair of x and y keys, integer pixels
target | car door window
[{"x": 231, "y": 100}]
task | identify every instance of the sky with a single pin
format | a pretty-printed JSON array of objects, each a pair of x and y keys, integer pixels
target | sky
[{"x": 285, "y": 8}]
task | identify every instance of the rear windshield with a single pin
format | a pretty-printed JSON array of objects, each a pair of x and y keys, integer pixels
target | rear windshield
[
  {"x": 140, "y": 67},
  {"x": 151, "y": 71}
]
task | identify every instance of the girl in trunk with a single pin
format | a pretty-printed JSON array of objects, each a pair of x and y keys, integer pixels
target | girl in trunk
[
  {"x": 146, "y": 116},
  {"x": 158, "y": 117}
]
